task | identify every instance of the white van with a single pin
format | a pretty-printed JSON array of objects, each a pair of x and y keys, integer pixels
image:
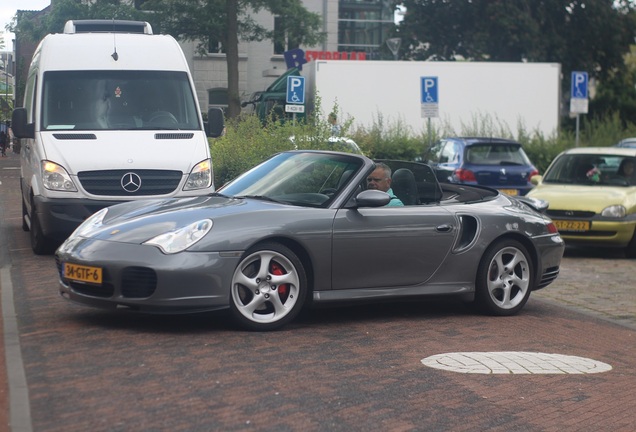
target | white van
[{"x": 109, "y": 115}]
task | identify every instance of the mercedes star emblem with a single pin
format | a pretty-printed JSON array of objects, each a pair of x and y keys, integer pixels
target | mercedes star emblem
[{"x": 131, "y": 182}]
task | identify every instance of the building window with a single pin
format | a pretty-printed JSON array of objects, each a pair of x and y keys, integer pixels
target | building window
[
  {"x": 364, "y": 25},
  {"x": 217, "y": 97},
  {"x": 283, "y": 41}
]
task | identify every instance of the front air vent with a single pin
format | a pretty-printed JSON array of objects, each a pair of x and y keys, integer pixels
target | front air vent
[
  {"x": 67, "y": 136},
  {"x": 162, "y": 136}
]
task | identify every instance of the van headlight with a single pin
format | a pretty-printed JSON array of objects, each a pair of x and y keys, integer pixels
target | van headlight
[
  {"x": 182, "y": 238},
  {"x": 55, "y": 177},
  {"x": 200, "y": 177}
]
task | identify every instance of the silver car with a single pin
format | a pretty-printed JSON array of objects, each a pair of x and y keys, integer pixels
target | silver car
[{"x": 301, "y": 228}]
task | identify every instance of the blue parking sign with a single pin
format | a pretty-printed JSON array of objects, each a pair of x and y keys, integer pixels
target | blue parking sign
[
  {"x": 295, "y": 90},
  {"x": 429, "y": 93},
  {"x": 579, "y": 85}
]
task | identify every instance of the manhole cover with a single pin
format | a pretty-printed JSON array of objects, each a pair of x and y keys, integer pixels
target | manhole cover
[{"x": 514, "y": 362}]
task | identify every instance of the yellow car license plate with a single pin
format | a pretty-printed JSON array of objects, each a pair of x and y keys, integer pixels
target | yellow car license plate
[
  {"x": 568, "y": 225},
  {"x": 509, "y": 191},
  {"x": 83, "y": 273}
]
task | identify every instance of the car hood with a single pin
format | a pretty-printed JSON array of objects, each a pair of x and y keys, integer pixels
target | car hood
[
  {"x": 587, "y": 198},
  {"x": 139, "y": 221}
]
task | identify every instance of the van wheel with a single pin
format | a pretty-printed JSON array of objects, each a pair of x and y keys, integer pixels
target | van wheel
[
  {"x": 40, "y": 244},
  {"x": 25, "y": 226}
]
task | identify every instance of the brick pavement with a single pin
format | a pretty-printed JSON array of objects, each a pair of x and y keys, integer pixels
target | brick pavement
[{"x": 336, "y": 370}]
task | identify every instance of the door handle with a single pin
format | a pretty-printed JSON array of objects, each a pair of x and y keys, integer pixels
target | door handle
[{"x": 444, "y": 228}]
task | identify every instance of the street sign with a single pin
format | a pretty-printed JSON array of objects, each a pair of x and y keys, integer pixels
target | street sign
[
  {"x": 579, "y": 85},
  {"x": 429, "y": 97},
  {"x": 578, "y": 93},
  {"x": 295, "y": 90},
  {"x": 295, "y": 108}
]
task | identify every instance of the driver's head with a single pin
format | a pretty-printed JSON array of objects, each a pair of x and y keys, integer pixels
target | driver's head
[{"x": 380, "y": 178}]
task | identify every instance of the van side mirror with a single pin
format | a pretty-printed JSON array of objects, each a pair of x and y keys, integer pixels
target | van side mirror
[
  {"x": 19, "y": 125},
  {"x": 215, "y": 126}
]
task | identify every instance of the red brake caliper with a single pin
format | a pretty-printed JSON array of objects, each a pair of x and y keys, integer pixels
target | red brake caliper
[{"x": 283, "y": 290}]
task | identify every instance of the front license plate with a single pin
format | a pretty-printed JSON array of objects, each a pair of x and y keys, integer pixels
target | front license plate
[
  {"x": 572, "y": 225},
  {"x": 509, "y": 191},
  {"x": 83, "y": 273}
]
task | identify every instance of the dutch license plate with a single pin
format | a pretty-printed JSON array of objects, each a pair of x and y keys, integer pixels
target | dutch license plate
[
  {"x": 509, "y": 191},
  {"x": 83, "y": 273},
  {"x": 579, "y": 226}
]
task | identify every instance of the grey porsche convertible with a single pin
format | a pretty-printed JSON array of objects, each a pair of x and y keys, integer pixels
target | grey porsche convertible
[{"x": 302, "y": 229}]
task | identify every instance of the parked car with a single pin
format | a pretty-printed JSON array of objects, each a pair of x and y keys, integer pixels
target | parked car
[
  {"x": 302, "y": 228},
  {"x": 592, "y": 196},
  {"x": 627, "y": 142},
  {"x": 494, "y": 162}
]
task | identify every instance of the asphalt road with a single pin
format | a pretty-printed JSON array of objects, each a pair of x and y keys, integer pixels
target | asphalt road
[{"x": 72, "y": 368}]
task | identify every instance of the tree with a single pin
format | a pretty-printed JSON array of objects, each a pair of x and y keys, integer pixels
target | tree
[
  {"x": 590, "y": 35},
  {"x": 225, "y": 22},
  {"x": 34, "y": 28}
]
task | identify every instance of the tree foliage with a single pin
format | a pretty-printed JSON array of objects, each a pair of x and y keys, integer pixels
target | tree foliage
[
  {"x": 227, "y": 21},
  {"x": 34, "y": 28},
  {"x": 205, "y": 21},
  {"x": 581, "y": 35}
]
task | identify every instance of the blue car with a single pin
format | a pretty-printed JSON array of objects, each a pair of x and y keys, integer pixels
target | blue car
[{"x": 494, "y": 162}]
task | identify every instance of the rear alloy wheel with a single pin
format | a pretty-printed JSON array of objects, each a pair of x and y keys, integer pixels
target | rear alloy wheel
[
  {"x": 504, "y": 278},
  {"x": 269, "y": 288}
]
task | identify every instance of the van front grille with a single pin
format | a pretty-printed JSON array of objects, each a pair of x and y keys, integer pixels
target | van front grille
[{"x": 130, "y": 182}]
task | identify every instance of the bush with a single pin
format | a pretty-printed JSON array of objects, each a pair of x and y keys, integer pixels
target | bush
[{"x": 248, "y": 142}]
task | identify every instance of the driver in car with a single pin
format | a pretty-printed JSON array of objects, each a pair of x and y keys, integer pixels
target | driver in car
[{"x": 380, "y": 179}]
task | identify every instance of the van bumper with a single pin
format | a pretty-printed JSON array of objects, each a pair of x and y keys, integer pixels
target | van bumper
[{"x": 59, "y": 217}]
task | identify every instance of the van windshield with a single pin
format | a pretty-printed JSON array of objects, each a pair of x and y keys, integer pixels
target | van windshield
[{"x": 118, "y": 100}]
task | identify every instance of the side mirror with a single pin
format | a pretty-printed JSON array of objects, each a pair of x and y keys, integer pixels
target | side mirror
[
  {"x": 215, "y": 126},
  {"x": 372, "y": 198},
  {"x": 19, "y": 125}
]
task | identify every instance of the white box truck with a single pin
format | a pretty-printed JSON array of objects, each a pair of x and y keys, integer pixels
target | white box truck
[
  {"x": 109, "y": 115},
  {"x": 509, "y": 95}
]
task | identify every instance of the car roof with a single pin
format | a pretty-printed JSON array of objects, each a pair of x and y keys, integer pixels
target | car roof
[
  {"x": 482, "y": 140},
  {"x": 618, "y": 151}
]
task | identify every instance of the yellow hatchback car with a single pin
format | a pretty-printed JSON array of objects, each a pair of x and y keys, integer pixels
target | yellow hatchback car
[{"x": 591, "y": 193}]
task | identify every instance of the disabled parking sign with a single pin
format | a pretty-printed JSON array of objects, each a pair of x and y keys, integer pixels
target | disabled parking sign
[{"x": 429, "y": 97}]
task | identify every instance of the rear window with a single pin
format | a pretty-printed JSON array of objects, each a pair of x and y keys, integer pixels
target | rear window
[{"x": 500, "y": 154}]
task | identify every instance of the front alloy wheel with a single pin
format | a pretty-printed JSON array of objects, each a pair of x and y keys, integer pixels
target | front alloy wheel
[
  {"x": 504, "y": 278},
  {"x": 269, "y": 287}
]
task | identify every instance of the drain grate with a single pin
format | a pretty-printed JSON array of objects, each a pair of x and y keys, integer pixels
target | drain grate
[{"x": 514, "y": 362}]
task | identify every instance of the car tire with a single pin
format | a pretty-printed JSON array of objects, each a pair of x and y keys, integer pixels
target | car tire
[
  {"x": 269, "y": 287},
  {"x": 504, "y": 278},
  {"x": 40, "y": 244},
  {"x": 630, "y": 251},
  {"x": 25, "y": 226}
]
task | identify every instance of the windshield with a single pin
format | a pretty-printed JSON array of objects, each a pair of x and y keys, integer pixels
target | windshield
[
  {"x": 592, "y": 169},
  {"x": 116, "y": 100},
  {"x": 305, "y": 179}
]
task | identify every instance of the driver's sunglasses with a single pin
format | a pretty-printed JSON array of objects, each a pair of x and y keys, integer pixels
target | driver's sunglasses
[{"x": 375, "y": 180}]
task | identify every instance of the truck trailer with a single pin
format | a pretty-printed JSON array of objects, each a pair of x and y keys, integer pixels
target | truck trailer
[{"x": 512, "y": 96}]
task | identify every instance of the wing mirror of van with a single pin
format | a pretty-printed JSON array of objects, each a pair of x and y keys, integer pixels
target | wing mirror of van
[
  {"x": 19, "y": 125},
  {"x": 215, "y": 127}
]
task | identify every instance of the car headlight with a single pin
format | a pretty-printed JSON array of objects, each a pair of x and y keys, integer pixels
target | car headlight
[
  {"x": 200, "y": 177},
  {"x": 182, "y": 238},
  {"x": 56, "y": 178},
  {"x": 615, "y": 211},
  {"x": 93, "y": 221}
]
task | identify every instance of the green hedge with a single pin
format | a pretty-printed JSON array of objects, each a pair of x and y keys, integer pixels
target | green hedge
[{"x": 248, "y": 141}]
